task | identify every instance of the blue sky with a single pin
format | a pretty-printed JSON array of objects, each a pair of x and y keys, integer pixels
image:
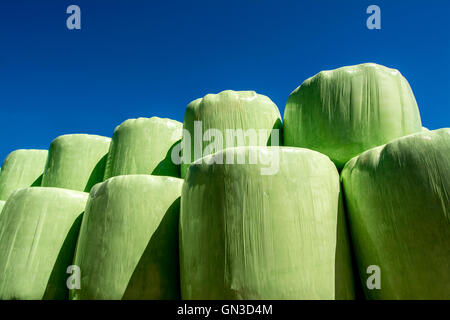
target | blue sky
[{"x": 151, "y": 58}]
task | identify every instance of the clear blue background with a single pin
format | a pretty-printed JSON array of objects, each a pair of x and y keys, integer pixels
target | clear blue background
[{"x": 151, "y": 58}]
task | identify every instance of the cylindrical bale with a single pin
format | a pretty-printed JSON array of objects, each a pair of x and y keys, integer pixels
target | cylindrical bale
[
  {"x": 228, "y": 119},
  {"x": 21, "y": 169},
  {"x": 397, "y": 197},
  {"x": 76, "y": 162},
  {"x": 38, "y": 233},
  {"x": 346, "y": 111},
  {"x": 128, "y": 245},
  {"x": 246, "y": 233},
  {"x": 144, "y": 146}
]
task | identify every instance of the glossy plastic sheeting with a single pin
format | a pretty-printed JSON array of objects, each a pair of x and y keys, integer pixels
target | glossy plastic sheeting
[
  {"x": 38, "y": 232},
  {"x": 230, "y": 110},
  {"x": 399, "y": 214},
  {"x": 21, "y": 169},
  {"x": 344, "y": 112},
  {"x": 244, "y": 235},
  {"x": 143, "y": 146},
  {"x": 128, "y": 245},
  {"x": 2, "y": 204},
  {"x": 76, "y": 161}
]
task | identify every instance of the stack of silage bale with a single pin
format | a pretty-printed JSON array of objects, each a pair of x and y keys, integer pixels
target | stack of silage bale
[
  {"x": 396, "y": 188},
  {"x": 269, "y": 227},
  {"x": 283, "y": 235},
  {"x": 255, "y": 220},
  {"x": 39, "y": 225},
  {"x": 128, "y": 244},
  {"x": 146, "y": 207}
]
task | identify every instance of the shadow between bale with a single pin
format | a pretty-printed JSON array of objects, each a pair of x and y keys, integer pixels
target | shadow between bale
[
  {"x": 166, "y": 167},
  {"x": 56, "y": 286},
  {"x": 157, "y": 276},
  {"x": 277, "y": 126},
  {"x": 37, "y": 182},
  {"x": 97, "y": 174},
  {"x": 344, "y": 250}
]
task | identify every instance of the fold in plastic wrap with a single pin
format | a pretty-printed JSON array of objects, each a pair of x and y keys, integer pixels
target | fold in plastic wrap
[
  {"x": 128, "y": 244},
  {"x": 21, "y": 169},
  {"x": 76, "y": 162},
  {"x": 2, "y": 204},
  {"x": 230, "y": 110},
  {"x": 244, "y": 235},
  {"x": 38, "y": 233},
  {"x": 344, "y": 112},
  {"x": 143, "y": 146},
  {"x": 397, "y": 197}
]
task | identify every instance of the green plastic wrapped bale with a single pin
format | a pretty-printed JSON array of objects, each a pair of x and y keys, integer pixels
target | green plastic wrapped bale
[
  {"x": 143, "y": 146},
  {"x": 244, "y": 235},
  {"x": 76, "y": 162},
  {"x": 128, "y": 244},
  {"x": 21, "y": 169},
  {"x": 255, "y": 115},
  {"x": 38, "y": 233},
  {"x": 397, "y": 197},
  {"x": 346, "y": 111}
]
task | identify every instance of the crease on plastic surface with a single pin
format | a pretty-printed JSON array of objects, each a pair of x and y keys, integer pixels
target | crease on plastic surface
[
  {"x": 346, "y": 111},
  {"x": 247, "y": 236},
  {"x": 397, "y": 198}
]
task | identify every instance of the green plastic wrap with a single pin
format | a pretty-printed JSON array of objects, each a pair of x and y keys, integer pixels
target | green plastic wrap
[
  {"x": 397, "y": 197},
  {"x": 38, "y": 233},
  {"x": 244, "y": 235},
  {"x": 2, "y": 204},
  {"x": 128, "y": 244},
  {"x": 21, "y": 169},
  {"x": 230, "y": 110},
  {"x": 76, "y": 162},
  {"x": 143, "y": 146},
  {"x": 344, "y": 112}
]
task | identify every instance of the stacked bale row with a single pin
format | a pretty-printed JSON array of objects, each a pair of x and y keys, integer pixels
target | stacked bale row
[
  {"x": 128, "y": 243},
  {"x": 39, "y": 225},
  {"x": 44, "y": 223},
  {"x": 256, "y": 220},
  {"x": 396, "y": 176}
]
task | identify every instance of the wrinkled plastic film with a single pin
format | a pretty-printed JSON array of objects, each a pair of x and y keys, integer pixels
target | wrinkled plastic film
[
  {"x": 38, "y": 233},
  {"x": 244, "y": 235},
  {"x": 21, "y": 169},
  {"x": 144, "y": 146},
  {"x": 229, "y": 110},
  {"x": 76, "y": 162},
  {"x": 128, "y": 245},
  {"x": 397, "y": 197},
  {"x": 346, "y": 111}
]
